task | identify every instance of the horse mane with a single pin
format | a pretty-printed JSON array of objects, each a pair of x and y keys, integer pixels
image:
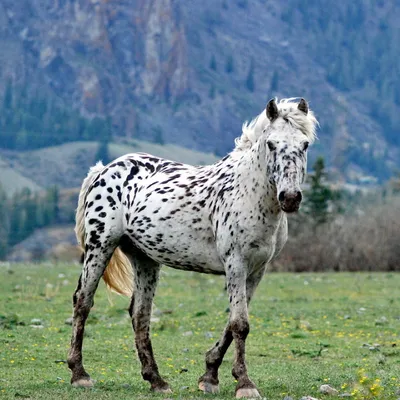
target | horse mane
[{"x": 288, "y": 110}]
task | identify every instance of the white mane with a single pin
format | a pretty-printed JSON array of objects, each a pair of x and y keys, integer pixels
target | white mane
[{"x": 288, "y": 110}]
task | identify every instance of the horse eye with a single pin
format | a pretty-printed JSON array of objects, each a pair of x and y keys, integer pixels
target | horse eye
[
  {"x": 271, "y": 145},
  {"x": 305, "y": 146}
]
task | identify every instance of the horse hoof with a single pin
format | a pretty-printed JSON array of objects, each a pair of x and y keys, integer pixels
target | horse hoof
[
  {"x": 85, "y": 383},
  {"x": 207, "y": 387},
  {"x": 245, "y": 393},
  {"x": 165, "y": 390}
]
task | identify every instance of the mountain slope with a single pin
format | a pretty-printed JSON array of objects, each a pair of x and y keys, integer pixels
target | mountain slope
[
  {"x": 191, "y": 72},
  {"x": 12, "y": 181},
  {"x": 66, "y": 165}
]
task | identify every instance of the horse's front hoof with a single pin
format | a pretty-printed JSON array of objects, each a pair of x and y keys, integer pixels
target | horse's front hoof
[
  {"x": 84, "y": 383},
  {"x": 207, "y": 387},
  {"x": 247, "y": 393}
]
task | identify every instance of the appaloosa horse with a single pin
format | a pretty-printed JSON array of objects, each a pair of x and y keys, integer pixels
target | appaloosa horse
[{"x": 141, "y": 211}]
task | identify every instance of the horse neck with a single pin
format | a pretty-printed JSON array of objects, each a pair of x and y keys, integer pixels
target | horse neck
[{"x": 252, "y": 178}]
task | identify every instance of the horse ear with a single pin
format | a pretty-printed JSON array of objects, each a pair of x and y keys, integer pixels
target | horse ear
[
  {"x": 303, "y": 106},
  {"x": 272, "y": 110}
]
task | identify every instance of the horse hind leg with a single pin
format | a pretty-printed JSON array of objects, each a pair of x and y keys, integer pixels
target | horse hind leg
[
  {"x": 95, "y": 262},
  {"x": 146, "y": 272}
]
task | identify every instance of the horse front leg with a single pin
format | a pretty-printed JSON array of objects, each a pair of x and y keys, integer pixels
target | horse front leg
[
  {"x": 208, "y": 382},
  {"x": 241, "y": 289}
]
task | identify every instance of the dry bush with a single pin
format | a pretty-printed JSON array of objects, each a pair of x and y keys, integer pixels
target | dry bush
[{"x": 368, "y": 240}]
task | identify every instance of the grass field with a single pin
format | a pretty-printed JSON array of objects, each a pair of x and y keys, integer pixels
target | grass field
[{"x": 306, "y": 330}]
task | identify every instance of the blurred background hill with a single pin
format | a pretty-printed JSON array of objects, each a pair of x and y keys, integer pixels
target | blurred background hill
[{"x": 82, "y": 80}]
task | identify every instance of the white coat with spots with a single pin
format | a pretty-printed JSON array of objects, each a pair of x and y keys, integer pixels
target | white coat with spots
[{"x": 141, "y": 211}]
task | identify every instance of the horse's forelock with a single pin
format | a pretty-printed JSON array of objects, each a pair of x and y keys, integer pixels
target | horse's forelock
[
  {"x": 288, "y": 109},
  {"x": 307, "y": 123}
]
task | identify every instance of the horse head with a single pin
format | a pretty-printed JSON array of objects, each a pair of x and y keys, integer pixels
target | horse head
[{"x": 291, "y": 129}]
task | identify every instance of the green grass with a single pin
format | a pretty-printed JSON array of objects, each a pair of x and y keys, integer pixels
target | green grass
[{"x": 306, "y": 330}]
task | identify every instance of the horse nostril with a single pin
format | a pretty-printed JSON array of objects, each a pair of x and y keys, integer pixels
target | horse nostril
[
  {"x": 299, "y": 196},
  {"x": 281, "y": 196}
]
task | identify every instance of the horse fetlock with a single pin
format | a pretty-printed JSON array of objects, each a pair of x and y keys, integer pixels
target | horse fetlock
[
  {"x": 74, "y": 360},
  {"x": 213, "y": 359},
  {"x": 151, "y": 375},
  {"x": 239, "y": 372},
  {"x": 211, "y": 376},
  {"x": 80, "y": 378},
  {"x": 208, "y": 385}
]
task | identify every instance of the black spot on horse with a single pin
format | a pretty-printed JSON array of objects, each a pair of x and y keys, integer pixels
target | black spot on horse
[
  {"x": 149, "y": 166},
  {"x": 111, "y": 201},
  {"x": 94, "y": 238}
]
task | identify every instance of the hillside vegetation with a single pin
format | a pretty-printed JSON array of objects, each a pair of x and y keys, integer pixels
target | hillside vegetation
[{"x": 190, "y": 73}]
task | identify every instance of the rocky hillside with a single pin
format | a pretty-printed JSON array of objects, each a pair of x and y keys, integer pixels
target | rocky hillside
[{"x": 190, "y": 72}]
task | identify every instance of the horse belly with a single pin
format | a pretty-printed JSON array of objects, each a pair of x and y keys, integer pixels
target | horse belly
[
  {"x": 175, "y": 235},
  {"x": 180, "y": 249},
  {"x": 199, "y": 256}
]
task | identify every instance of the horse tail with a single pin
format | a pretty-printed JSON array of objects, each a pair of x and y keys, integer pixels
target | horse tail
[
  {"x": 80, "y": 211},
  {"x": 118, "y": 275}
]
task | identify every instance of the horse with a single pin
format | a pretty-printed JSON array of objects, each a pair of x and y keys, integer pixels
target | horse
[{"x": 141, "y": 211}]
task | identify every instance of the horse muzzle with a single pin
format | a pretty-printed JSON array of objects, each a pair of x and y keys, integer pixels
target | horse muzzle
[{"x": 290, "y": 201}]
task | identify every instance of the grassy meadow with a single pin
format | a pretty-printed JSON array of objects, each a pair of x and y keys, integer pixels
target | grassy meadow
[{"x": 306, "y": 330}]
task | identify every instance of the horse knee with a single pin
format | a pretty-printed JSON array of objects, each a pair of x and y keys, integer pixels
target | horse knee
[{"x": 240, "y": 328}]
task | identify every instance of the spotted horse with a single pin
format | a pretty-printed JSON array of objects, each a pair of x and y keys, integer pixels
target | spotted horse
[{"x": 141, "y": 211}]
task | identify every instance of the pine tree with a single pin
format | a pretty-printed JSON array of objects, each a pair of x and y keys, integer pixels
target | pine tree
[
  {"x": 250, "y": 77},
  {"x": 4, "y": 225},
  {"x": 158, "y": 136},
  {"x": 102, "y": 153},
  {"x": 229, "y": 66},
  {"x": 213, "y": 63},
  {"x": 15, "y": 233},
  {"x": 51, "y": 210},
  {"x": 211, "y": 92},
  {"x": 8, "y": 96},
  {"x": 319, "y": 195},
  {"x": 274, "y": 83}
]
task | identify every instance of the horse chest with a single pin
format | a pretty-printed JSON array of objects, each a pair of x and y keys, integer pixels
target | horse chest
[{"x": 263, "y": 242}]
